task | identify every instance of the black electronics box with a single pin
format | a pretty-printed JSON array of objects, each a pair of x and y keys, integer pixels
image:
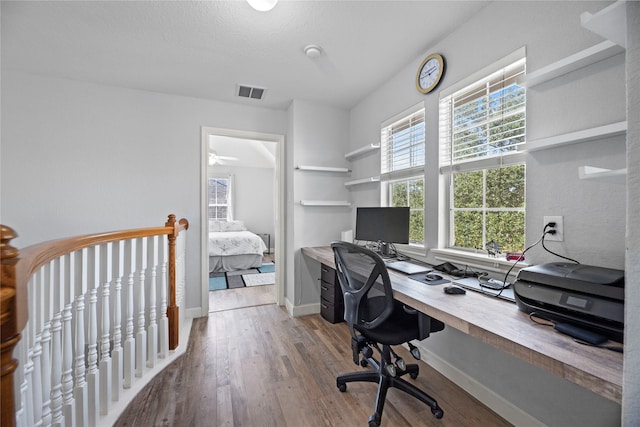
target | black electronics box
[{"x": 586, "y": 296}]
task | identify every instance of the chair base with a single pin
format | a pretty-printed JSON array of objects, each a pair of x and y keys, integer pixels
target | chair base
[{"x": 386, "y": 381}]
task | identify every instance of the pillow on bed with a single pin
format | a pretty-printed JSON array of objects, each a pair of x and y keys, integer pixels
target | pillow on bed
[
  {"x": 214, "y": 225},
  {"x": 232, "y": 226}
]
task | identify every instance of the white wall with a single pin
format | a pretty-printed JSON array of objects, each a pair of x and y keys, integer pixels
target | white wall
[
  {"x": 319, "y": 137},
  {"x": 254, "y": 192},
  {"x": 81, "y": 158},
  {"x": 594, "y": 212}
]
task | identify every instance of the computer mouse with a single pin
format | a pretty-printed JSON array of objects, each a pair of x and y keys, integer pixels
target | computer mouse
[
  {"x": 430, "y": 277},
  {"x": 454, "y": 290}
]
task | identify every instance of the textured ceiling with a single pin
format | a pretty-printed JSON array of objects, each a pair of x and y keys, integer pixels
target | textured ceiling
[{"x": 205, "y": 48}]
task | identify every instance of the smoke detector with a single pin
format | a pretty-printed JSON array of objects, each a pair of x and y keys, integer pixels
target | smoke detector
[{"x": 313, "y": 51}]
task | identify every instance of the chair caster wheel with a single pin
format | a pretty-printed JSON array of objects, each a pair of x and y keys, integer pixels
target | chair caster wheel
[
  {"x": 342, "y": 387},
  {"x": 364, "y": 363},
  {"x": 391, "y": 370},
  {"x": 413, "y": 375},
  {"x": 373, "y": 422},
  {"x": 437, "y": 412}
]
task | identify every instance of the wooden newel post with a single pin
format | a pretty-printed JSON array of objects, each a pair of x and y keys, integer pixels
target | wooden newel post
[
  {"x": 172, "y": 308},
  {"x": 8, "y": 325}
]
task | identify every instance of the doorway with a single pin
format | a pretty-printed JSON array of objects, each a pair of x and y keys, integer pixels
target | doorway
[{"x": 239, "y": 145}]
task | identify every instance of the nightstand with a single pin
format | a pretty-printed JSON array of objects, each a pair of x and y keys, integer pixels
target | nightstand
[{"x": 266, "y": 238}]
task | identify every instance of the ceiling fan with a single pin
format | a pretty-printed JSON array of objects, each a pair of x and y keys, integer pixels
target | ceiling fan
[{"x": 215, "y": 159}]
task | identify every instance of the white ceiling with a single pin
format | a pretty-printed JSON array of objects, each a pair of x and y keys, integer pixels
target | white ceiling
[
  {"x": 248, "y": 153},
  {"x": 205, "y": 48}
]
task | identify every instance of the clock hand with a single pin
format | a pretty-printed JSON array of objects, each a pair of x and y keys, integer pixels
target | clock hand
[{"x": 429, "y": 71}]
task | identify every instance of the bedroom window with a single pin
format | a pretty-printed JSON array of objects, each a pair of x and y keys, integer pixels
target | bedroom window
[
  {"x": 219, "y": 192},
  {"x": 482, "y": 128},
  {"x": 402, "y": 166}
]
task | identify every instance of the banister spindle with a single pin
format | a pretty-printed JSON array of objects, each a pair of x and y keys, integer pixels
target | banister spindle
[
  {"x": 80, "y": 391},
  {"x": 22, "y": 377},
  {"x": 105, "y": 345},
  {"x": 68, "y": 404},
  {"x": 129, "y": 342},
  {"x": 116, "y": 353},
  {"x": 141, "y": 334},
  {"x": 152, "y": 332},
  {"x": 46, "y": 343},
  {"x": 56, "y": 343},
  {"x": 93, "y": 377},
  {"x": 163, "y": 323},
  {"x": 35, "y": 308}
]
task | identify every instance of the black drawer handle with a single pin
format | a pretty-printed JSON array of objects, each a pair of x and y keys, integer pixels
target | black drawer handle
[
  {"x": 324, "y": 270},
  {"x": 324, "y": 288},
  {"x": 324, "y": 306}
]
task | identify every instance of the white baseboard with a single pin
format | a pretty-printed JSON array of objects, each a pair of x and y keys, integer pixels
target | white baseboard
[
  {"x": 301, "y": 310},
  {"x": 488, "y": 397},
  {"x": 192, "y": 313}
]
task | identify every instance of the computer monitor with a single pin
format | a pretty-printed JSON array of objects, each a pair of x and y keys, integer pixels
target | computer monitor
[{"x": 388, "y": 225}]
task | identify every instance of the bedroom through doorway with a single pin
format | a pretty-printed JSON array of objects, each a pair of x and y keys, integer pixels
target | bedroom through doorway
[{"x": 241, "y": 234}]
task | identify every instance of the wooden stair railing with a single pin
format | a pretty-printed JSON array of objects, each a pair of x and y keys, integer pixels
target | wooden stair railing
[{"x": 18, "y": 270}]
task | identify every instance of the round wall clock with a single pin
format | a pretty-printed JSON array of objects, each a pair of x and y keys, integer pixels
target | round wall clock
[{"x": 429, "y": 73}]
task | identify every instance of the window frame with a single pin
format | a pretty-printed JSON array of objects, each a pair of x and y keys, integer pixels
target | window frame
[
  {"x": 227, "y": 203},
  {"x": 389, "y": 202},
  {"x": 415, "y": 170},
  {"x": 447, "y": 169}
]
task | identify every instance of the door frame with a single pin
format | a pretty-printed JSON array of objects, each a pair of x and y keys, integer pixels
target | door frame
[{"x": 279, "y": 189}]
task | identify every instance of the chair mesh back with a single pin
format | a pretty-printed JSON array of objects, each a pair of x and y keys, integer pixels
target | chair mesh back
[{"x": 365, "y": 284}]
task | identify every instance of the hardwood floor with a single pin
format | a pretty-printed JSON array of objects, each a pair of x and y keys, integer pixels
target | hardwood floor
[
  {"x": 257, "y": 366},
  {"x": 229, "y": 299}
]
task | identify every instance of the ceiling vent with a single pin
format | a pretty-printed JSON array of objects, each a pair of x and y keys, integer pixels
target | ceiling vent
[{"x": 245, "y": 91}]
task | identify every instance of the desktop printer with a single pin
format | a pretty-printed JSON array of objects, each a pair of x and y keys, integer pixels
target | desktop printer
[{"x": 586, "y": 296}]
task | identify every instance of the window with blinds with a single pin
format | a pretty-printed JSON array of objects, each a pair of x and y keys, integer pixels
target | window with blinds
[
  {"x": 482, "y": 126},
  {"x": 402, "y": 143},
  {"x": 485, "y": 119},
  {"x": 218, "y": 191},
  {"x": 402, "y": 166}
]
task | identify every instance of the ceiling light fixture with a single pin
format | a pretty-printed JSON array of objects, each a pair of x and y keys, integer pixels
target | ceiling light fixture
[
  {"x": 312, "y": 51},
  {"x": 262, "y": 5}
]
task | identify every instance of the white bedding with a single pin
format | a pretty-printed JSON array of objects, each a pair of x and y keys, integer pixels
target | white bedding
[{"x": 226, "y": 243}]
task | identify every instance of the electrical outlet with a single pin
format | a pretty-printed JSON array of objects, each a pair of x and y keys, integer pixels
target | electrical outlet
[{"x": 559, "y": 235}]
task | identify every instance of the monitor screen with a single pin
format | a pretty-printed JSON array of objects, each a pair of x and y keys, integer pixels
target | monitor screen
[{"x": 390, "y": 225}]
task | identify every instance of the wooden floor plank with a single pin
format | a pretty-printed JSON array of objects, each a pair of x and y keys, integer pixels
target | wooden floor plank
[{"x": 257, "y": 366}]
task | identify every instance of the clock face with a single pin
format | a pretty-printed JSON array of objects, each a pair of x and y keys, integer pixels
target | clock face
[{"x": 429, "y": 73}]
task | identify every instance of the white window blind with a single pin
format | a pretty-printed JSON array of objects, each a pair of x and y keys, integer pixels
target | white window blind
[
  {"x": 402, "y": 146},
  {"x": 484, "y": 124}
]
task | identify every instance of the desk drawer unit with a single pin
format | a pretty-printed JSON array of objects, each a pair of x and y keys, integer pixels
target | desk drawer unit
[{"x": 331, "y": 302}]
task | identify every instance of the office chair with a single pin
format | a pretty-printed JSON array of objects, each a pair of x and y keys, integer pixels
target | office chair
[{"x": 377, "y": 320}]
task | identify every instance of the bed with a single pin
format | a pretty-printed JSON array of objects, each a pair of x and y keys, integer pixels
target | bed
[{"x": 233, "y": 247}]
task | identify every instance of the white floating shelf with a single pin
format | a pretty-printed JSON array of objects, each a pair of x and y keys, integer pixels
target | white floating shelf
[
  {"x": 610, "y": 22},
  {"x": 322, "y": 169},
  {"x": 574, "y": 62},
  {"x": 615, "y": 176},
  {"x": 362, "y": 181},
  {"x": 362, "y": 150},
  {"x": 585, "y": 135},
  {"x": 324, "y": 203}
]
